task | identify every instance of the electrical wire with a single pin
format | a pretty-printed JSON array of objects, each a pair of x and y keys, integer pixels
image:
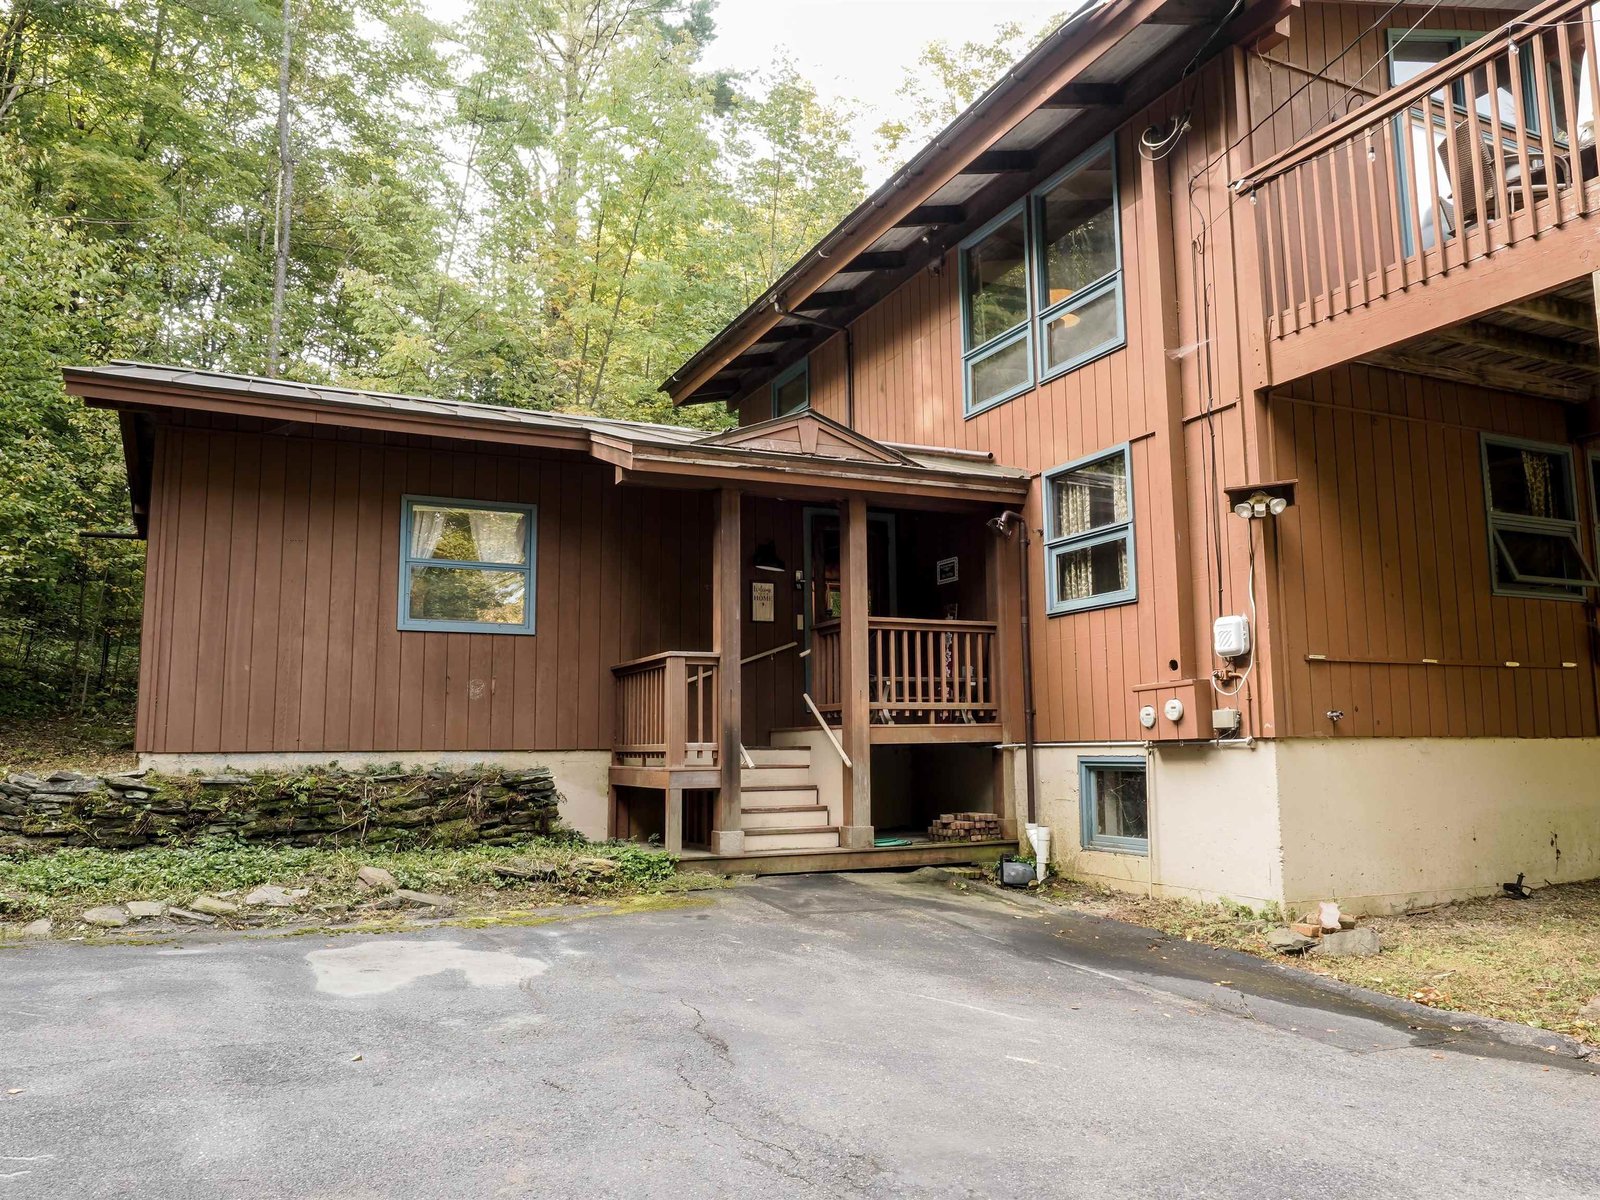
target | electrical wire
[{"x": 1158, "y": 149}]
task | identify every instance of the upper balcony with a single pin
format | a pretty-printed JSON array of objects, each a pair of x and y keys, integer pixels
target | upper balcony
[{"x": 1425, "y": 222}]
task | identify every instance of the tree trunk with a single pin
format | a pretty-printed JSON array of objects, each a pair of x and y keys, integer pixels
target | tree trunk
[{"x": 280, "y": 236}]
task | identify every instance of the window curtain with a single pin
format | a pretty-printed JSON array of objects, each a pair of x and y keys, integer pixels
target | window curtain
[
  {"x": 427, "y": 527},
  {"x": 1541, "y": 492},
  {"x": 1586, "y": 86},
  {"x": 499, "y": 536}
]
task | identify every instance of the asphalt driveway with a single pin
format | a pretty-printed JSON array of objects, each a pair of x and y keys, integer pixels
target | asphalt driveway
[{"x": 818, "y": 1036}]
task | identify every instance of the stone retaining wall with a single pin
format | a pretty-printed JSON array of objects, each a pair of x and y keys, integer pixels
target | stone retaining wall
[{"x": 139, "y": 808}]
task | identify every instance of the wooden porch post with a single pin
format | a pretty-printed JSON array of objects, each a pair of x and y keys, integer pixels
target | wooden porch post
[
  {"x": 727, "y": 579},
  {"x": 855, "y": 713}
]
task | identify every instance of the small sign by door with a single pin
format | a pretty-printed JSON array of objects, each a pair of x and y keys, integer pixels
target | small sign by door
[
  {"x": 946, "y": 570},
  {"x": 763, "y": 600}
]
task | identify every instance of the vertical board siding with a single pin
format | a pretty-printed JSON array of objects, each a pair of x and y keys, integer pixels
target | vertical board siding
[
  {"x": 909, "y": 389},
  {"x": 272, "y": 595},
  {"x": 1385, "y": 556}
]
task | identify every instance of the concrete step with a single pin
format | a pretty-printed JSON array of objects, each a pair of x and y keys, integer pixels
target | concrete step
[
  {"x": 780, "y": 756},
  {"x": 777, "y": 795},
  {"x": 813, "y": 837},
  {"x": 785, "y": 816},
  {"x": 764, "y": 776}
]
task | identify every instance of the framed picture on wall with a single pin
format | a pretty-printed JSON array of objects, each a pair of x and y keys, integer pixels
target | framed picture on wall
[{"x": 946, "y": 570}]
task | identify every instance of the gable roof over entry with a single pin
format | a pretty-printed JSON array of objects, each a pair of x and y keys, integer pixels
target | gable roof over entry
[
  {"x": 806, "y": 456},
  {"x": 809, "y": 433}
]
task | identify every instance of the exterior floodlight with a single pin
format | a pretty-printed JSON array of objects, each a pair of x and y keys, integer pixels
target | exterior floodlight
[{"x": 1258, "y": 501}]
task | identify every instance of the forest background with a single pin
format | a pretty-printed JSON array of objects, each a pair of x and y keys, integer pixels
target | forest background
[{"x": 544, "y": 203}]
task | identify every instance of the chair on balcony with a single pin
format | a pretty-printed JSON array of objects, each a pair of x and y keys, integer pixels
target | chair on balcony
[{"x": 1474, "y": 141}]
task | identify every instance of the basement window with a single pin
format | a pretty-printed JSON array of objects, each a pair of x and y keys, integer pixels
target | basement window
[
  {"x": 1116, "y": 813},
  {"x": 997, "y": 352},
  {"x": 1531, "y": 497},
  {"x": 1088, "y": 549},
  {"x": 467, "y": 567}
]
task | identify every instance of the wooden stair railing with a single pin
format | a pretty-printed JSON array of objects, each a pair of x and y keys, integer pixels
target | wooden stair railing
[{"x": 666, "y": 710}]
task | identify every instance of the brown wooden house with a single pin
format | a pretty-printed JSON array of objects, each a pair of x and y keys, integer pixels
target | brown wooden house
[{"x": 1275, "y": 322}]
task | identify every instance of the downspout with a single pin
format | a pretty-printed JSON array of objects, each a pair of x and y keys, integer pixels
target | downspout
[
  {"x": 849, "y": 356},
  {"x": 1003, "y": 526}
]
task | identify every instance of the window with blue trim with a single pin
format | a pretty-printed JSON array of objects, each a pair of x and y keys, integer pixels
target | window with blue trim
[
  {"x": 1047, "y": 271},
  {"x": 791, "y": 391},
  {"x": 1089, "y": 560},
  {"x": 1115, "y": 805},
  {"x": 997, "y": 349},
  {"x": 467, "y": 566},
  {"x": 1079, "y": 254}
]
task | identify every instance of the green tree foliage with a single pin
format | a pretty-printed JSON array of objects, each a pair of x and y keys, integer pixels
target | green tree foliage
[
  {"x": 947, "y": 78},
  {"x": 551, "y": 204}
]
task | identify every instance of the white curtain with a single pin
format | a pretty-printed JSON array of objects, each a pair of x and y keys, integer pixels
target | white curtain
[
  {"x": 499, "y": 536},
  {"x": 1586, "y": 84},
  {"x": 427, "y": 527}
]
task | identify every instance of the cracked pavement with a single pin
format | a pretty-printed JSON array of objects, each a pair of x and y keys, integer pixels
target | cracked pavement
[{"x": 812, "y": 1036}]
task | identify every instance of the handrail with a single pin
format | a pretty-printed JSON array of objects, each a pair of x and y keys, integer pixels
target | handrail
[
  {"x": 706, "y": 657},
  {"x": 760, "y": 654},
  {"x": 1397, "y": 100},
  {"x": 910, "y": 623},
  {"x": 811, "y": 704}
]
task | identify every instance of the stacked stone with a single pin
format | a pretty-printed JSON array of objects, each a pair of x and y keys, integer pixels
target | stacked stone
[{"x": 120, "y": 811}]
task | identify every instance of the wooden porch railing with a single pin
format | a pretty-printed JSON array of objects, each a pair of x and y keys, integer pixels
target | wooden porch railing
[
  {"x": 1491, "y": 147},
  {"x": 666, "y": 710},
  {"x": 920, "y": 672}
]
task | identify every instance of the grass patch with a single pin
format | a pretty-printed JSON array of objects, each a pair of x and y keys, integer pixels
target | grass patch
[
  {"x": 1534, "y": 961},
  {"x": 60, "y": 884}
]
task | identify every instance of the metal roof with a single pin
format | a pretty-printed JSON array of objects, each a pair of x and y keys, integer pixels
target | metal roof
[{"x": 155, "y": 383}]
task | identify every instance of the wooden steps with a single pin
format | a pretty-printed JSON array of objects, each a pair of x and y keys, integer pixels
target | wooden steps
[{"x": 779, "y": 805}]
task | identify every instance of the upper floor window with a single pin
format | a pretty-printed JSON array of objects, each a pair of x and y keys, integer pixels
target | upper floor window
[
  {"x": 467, "y": 566},
  {"x": 1048, "y": 272},
  {"x": 996, "y": 348},
  {"x": 791, "y": 391},
  {"x": 1532, "y": 502},
  {"x": 1089, "y": 533},
  {"x": 1080, "y": 264}
]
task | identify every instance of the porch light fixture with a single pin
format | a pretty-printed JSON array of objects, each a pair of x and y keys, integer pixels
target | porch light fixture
[
  {"x": 1257, "y": 501},
  {"x": 766, "y": 559}
]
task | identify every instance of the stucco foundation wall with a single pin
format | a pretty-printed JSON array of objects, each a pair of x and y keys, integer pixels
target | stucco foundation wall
[
  {"x": 1387, "y": 824},
  {"x": 580, "y": 775},
  {"x": 1213, "y": 822}
]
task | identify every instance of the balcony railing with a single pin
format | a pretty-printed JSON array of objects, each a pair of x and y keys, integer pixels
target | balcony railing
[
  {"x": 666, "y": 711},
  {"x": 1493, "y": 146},
  {"x": 919, "y": 672}
]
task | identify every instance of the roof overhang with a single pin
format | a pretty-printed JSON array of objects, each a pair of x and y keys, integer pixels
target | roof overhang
[
  {"x": 805, "y": 455},
  {"x": 1105, "y": 63}
]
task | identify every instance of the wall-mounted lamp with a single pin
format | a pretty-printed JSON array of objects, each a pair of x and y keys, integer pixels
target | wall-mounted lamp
[
  {"x": 1257, "y": 501},
  {"x": 766, "y": 559}
]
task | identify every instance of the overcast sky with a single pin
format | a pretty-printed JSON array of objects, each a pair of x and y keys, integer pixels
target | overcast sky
[{"x": 856, "y": 49}]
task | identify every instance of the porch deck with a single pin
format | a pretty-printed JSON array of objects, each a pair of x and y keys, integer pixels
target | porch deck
[{"x": 869, "y": 858}]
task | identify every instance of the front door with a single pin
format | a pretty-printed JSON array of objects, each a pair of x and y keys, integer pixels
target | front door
[{"x": 822, "y": 580}]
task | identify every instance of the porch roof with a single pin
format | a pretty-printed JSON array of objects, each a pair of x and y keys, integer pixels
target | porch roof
[{"x": 805, "y": 455}]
